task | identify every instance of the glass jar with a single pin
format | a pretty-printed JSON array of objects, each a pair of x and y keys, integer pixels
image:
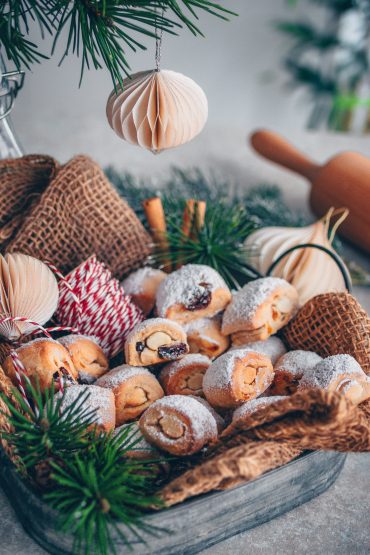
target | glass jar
[{"x": 10, "y": 83}]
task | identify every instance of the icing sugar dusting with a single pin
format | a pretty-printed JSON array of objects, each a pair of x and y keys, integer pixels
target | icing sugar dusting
[
  {"x": 136, "y": 435},
  {"x": 68, "y": 340},
  {"x": 273, "y": 347},
  {"x": 36, "y": 341},
  {"x": 134, "y": 284},
  {"x": 220, "y": 373},
  {"x": 329, "y": 369},
  {"x": 188, "y": 360},
  {"x": 219, "y": 420},
  {"x": 179, "y": 287},
  {"x": 249, "y": 407},
  {"x": 297, "y": 363},
  {"x": 120, "y": 375},
  {"x": 100, "y": 399},
  {"x": 202, "y": 426},
  {"x": 147, "y": 326},
  {"x": 245, "y": 302}
]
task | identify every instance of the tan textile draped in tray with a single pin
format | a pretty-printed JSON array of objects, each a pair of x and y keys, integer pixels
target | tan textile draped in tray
[
  {"x": 80, "y": 214},
  {"x": 22, "y": 181},
  {"x": 273, "y": 436}
]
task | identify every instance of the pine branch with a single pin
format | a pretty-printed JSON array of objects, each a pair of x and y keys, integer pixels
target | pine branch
[
  {"x": 99, "y": 488},
  {"x": 219, "y": 243},
  {"x": 88, "y": 479},
  {"x": 306, "y": 36},
  {"x": 40, "y": 432},
  {"x": 98, "y": 31}
]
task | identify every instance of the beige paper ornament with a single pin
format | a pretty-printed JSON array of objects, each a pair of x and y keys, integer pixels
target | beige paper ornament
[
  {"x": 157, "y": 109},
  {"x": 28, "y": 289},
  {"x": 311, "y": 271}
]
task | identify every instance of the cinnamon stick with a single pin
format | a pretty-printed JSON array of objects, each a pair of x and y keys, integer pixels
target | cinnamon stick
[
  {"x": 192, "y": 221},
  {"x": 193, "y": 217},
  {"x": 156, "y": 219}
]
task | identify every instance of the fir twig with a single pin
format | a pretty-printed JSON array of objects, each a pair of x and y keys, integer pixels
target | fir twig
[
  {"x": 45, "y": 430},
  {"x": 98, "y": 31},
  {"x": 99, "y": 488},
  {"x": 95, "y": 486}
]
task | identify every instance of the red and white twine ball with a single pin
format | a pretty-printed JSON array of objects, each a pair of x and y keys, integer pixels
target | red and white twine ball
[{"x": 94, "y": 302}]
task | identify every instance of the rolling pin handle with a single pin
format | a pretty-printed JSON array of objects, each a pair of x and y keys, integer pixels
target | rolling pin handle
[{"x": 274, "y": 147}]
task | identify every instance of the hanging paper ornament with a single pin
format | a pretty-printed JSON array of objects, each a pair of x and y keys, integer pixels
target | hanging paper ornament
[
  {"x": 29, "y": 290},
  {"x": 311, "y": 271},
  {"x": 157, "y": 109}
]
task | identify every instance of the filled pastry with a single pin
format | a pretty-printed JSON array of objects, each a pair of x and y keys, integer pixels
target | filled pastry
[
  {"x": 289, "y": 370},
  {"x": 194, "y": 291},
  {"x": 205, "y": 337},
  {"x": 341, "y": 373},
  {"x": 87, "y": 356},
  {"x": 45, "y": 361},
  {"x": 273, "y": 347},
  {"x": 259, "y": 310},
  {"x": 237, "y": 376},
  {"x": 185, "y": 376},
  {"x": 249, "y": 408},
  {"x": 134, "y": 390},
  {"x": 155, "y": 341},
  {"x": 141, "y": 449},
  {"x": 99, "y": 400},
  {"x": 178, "y": 424},
  {"x": 142, "y": 285},
  {"x": 220, "y": 421}
]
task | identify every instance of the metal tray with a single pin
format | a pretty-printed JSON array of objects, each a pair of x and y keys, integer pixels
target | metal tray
[{"x": 194, "y": 524}]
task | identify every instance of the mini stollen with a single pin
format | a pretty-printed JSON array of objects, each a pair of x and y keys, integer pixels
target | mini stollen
[
  {"x": 81, "y": 214},
  {"x": 22, "y": 180},
  {"x": 332, "y": 324}
]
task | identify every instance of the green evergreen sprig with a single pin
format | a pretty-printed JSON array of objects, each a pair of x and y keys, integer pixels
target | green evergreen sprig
[
  {"x": 328, "y": 65},
  {"x": 231, "y": 215},
  {"x": 219, "y": 243},
  {"x": 83, "y": 473},
  {"x": 98, "y": 31},
  {"x": 40, "y": 432},
  {"x": 98, "y": 488}
]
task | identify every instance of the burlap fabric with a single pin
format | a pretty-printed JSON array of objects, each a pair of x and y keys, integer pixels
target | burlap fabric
[
  {"x": 331, "y": 324},
  {"x": 22, "y": 181},
  {"x": 81, "y": 214},
  {"x": 236, "y": 465},
  {"x": 273, "y": 436}
]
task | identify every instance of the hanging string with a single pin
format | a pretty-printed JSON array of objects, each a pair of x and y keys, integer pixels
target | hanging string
[{"x": 158, "y": 44}]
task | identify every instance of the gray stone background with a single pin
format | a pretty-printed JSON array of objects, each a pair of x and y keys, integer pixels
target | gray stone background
[{"x": 238, "y": 65}]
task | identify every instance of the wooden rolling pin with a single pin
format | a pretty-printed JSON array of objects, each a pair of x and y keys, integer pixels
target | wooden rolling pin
[{"x": 344, "y": 181}]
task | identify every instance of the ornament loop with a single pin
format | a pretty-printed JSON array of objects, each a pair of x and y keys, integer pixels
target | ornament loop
[{"x": 334, "y": 256}]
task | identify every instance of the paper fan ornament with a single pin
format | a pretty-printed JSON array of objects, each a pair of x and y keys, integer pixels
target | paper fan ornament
[
  {"x": 311, "y": 271},
  {"x": 28, "y": 289},
  {"x": 157, "y": 109}
]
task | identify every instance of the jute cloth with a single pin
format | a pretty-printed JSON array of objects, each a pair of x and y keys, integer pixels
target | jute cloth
[
  {"x": 22, "y": 181},
  {"x": 331, "y": 324},
  {"x": 273, "y": 436},
  {"x": 80, "y": 214}
]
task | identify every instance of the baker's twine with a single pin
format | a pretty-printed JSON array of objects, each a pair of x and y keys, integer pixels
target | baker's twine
[{"x": 104, "y": 311}]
